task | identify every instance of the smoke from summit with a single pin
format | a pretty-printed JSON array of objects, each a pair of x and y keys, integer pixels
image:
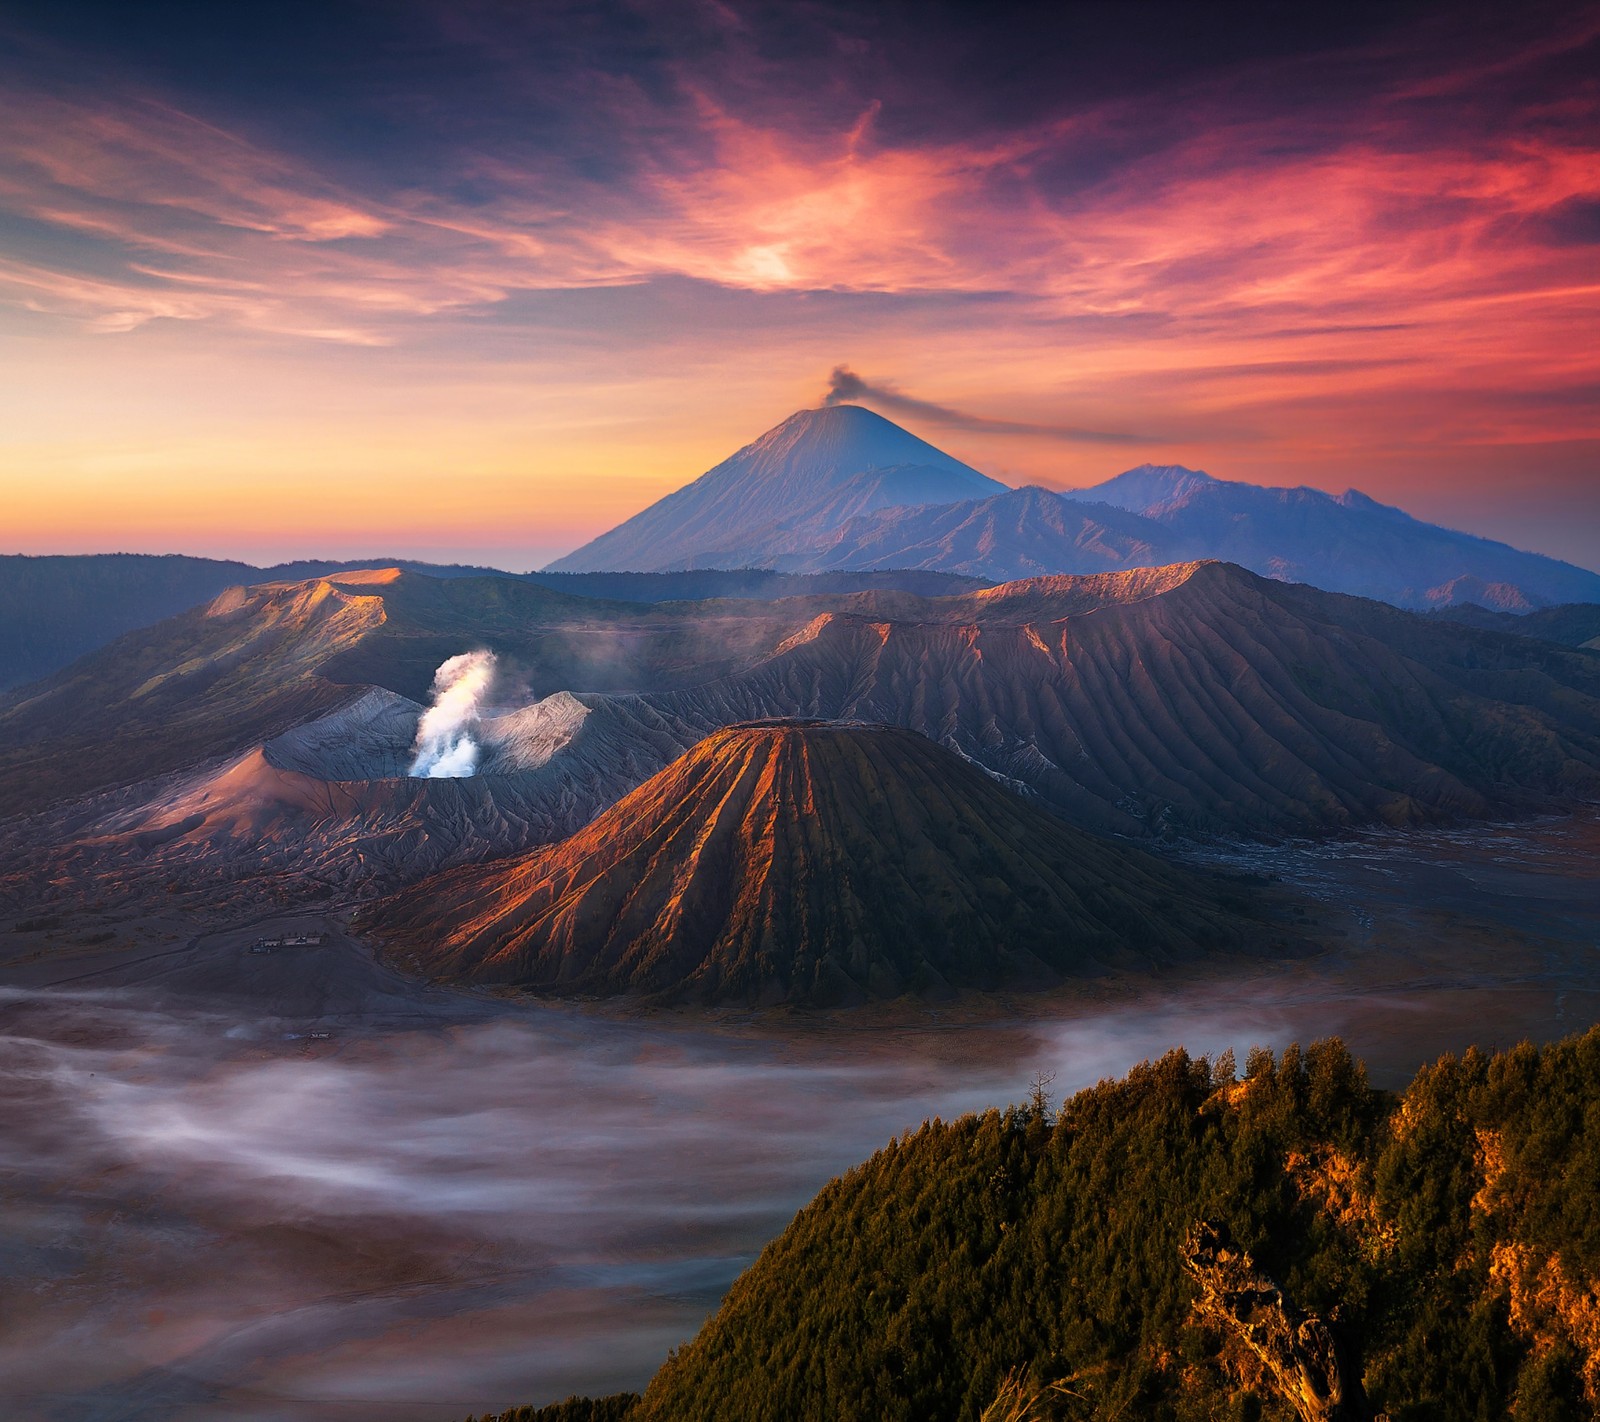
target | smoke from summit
[
  {"x": 845, "y": 387},
  {"x": 446, "y": 746}
]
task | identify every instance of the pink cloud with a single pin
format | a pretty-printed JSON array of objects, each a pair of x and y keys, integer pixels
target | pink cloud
[{"x": 1200, "y": 253}]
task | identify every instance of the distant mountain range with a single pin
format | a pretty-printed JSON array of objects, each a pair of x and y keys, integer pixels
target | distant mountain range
[
  {"x": 266, "y": 736},
  {"x": 1345, "y": 543},
  {"x": 841, "y": 500},
  {"x": 841, "y": 488},
  {"x": 55, "y": 608},
  {"x": 267, "y": 732}
]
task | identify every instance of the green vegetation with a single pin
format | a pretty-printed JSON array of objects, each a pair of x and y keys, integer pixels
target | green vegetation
[{"x": 1015, "y": 1265}]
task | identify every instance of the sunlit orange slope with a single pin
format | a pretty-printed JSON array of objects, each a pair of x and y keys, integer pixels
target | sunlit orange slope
[{"x": 810, "y": 862}]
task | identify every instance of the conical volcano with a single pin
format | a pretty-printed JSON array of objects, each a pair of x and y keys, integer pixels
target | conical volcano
[
  {"x": 813, "y": 863},
  {"x": 801, "y": 480}
]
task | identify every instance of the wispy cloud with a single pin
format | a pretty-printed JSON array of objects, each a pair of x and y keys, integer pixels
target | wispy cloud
[{"x": 1233, "y": 225}]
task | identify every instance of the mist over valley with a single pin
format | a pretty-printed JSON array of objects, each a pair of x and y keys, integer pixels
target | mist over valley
[{"x": 301, "y": 1184}]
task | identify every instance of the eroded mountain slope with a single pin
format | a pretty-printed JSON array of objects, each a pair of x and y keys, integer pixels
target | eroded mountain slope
[
  {"x": 1196, "y": 699},
  {"x": 200, "y": 685},
  {"x": 1219, "y": 702},
  {"x": 811, "y": 862}
]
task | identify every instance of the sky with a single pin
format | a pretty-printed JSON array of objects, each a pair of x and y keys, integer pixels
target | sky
[{"x": 473, "y": 281}]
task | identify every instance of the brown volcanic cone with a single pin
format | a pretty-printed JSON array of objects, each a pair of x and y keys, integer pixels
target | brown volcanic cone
[{"x": 809, "y": 862}]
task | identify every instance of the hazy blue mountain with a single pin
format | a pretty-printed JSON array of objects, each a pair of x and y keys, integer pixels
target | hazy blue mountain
[
  {"x": 782, "y": 494},
  {"x": 53, "y": 610},
  {"x": 1146, "y": 490},
  {"x": 843, "y": 489},
  {"x": 1158, "y": 514},
  {"x": 1021, "y": 533},
  {"x": 1345, "y": 542}
]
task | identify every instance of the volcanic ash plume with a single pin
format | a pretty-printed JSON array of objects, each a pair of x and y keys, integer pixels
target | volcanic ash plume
[{"x": 446, "y": 747}]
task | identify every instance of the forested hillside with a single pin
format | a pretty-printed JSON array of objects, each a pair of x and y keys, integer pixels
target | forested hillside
[{"x": 1190, "y": 1244}]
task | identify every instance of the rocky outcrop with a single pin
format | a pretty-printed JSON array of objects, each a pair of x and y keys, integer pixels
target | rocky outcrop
[{"x": 1299, "y": 1356}]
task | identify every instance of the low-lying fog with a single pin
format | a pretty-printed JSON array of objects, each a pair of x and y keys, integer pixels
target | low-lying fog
[{"x": 451, "y": 1203}]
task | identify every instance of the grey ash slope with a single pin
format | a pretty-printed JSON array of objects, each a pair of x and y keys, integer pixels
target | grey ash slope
[
  {"x": 254, "y": 662},
  {"x": 795, "y": 484}
]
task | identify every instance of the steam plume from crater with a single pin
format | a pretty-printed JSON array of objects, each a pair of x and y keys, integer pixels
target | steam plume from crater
[{"x": 447, "y": 746}]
